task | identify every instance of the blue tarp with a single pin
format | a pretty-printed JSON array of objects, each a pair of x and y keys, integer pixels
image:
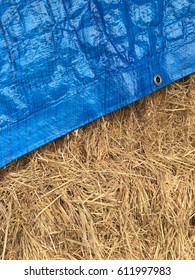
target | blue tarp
[{"x": 65, "y": 63}]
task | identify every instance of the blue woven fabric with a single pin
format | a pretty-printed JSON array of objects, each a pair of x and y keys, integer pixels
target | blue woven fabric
[{"x": 65, "y": 63}]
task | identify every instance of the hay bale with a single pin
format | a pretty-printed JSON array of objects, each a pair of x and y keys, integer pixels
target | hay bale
[{"x": 122, "y": 187}]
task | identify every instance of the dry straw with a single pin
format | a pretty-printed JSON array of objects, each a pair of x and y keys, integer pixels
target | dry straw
[{"x": 122, "y": 187}]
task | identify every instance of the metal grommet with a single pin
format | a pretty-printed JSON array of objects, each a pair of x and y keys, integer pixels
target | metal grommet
[{"x": 158, "y": 80}]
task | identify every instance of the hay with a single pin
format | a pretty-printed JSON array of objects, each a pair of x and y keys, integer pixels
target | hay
[{"x": 122, "y": 187}]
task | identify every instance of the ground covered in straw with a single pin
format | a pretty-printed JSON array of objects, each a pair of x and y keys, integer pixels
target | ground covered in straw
[{"x": 122, "y": 187}]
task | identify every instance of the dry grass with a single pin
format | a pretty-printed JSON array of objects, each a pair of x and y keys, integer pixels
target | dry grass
[{"x": 122, "y": 187}]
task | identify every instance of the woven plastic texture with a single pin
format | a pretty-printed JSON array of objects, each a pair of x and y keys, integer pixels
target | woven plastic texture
[{"x": 65, "y": 63}]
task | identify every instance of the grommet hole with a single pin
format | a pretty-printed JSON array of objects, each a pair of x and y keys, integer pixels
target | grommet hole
[{"x": 157, "y": 80}]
